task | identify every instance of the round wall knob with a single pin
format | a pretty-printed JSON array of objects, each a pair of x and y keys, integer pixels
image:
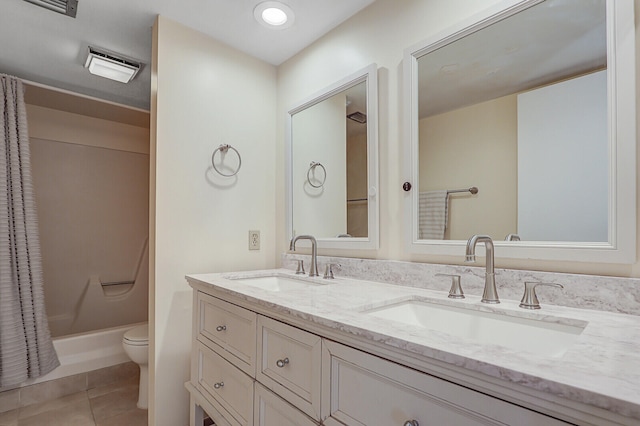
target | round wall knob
[
  {"x": 221, "y": 328},
  {"x": 406, "y": 186},
  {"x": 282, "y": 362},
  {"x": 218, "y": 385},
  {"x": 411, "y": 423}
]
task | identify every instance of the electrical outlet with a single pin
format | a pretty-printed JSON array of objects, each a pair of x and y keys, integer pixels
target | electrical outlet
[{"x": 254, "y": 240}]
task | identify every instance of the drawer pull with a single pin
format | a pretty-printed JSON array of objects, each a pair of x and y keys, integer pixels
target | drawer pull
[
  {"x": 221, "y": 328},
  {"x": 282, "y": 362},
  {"x": 218, "y": 385},
  {"x": 411, "y": 423}
]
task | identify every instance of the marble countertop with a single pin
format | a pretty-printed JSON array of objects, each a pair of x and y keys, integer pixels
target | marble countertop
[{"x": 601, "y": 368}]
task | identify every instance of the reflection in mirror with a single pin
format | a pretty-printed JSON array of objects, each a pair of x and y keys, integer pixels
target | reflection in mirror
[
  {"x": 519, "y": 104},
  {"x": 332, "y": 155}
]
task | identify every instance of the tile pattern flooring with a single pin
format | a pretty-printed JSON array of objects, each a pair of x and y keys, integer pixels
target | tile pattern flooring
[{"x": 112, "y": 404}]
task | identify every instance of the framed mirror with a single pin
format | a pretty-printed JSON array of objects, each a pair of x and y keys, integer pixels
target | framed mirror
[
  {"x": 332, "y": 164},
  {"x": 521, "y": 125}
]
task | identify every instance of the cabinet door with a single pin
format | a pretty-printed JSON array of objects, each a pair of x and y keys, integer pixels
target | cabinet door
[
  {"x": 366, "y": 390},
  {"x": 271, "y": 410},
  {"x": 231, "y": 328},
  {"x": 228, "y": 386},
  {"x": 289, "y": 363}
]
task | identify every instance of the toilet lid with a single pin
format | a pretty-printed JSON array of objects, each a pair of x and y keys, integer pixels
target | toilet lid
[{"x": 138, "y": 335}]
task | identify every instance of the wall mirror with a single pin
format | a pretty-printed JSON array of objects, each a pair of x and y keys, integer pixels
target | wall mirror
[
  {"x": 332, "y": 164},
  {"x": 521, "y": 125}
]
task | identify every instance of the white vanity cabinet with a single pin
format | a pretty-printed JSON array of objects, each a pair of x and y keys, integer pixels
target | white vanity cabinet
[
  {"x": 270, "y": 410},
  {"x": 232, "y": 348},
  {"x": 289, "y": 363},
  {"x": 250, "y": 369},
  {"x": 367, "y": 390}
]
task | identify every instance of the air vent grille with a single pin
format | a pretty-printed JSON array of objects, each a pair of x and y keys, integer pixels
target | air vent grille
[
  {"x": 66, "y": 7},
  {"x": 358, "y": 117},
  {"x": 114, "y": 58}
]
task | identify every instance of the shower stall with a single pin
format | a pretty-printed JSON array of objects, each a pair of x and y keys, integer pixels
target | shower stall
[{"x": 91, "y": 181}]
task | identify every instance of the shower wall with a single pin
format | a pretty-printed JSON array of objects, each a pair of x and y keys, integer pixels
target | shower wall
[{"x": 91, "y": 179}]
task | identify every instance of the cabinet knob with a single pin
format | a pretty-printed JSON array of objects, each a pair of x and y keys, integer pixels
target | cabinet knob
[
  {"x": 218, "y": 385},
  {"x": 282, "y": 362},
  {"x": 411, "y": 423},
  {"x": 221, "y": 328}
]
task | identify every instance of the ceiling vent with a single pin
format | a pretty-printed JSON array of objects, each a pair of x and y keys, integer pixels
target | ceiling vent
[
  {"x": 111, "y": 65},
  {"x": 358, "y": 117},
  {"x": 66, "y": 7}
]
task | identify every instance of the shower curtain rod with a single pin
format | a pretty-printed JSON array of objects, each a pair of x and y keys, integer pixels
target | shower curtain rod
[{"x": 81, "y": 95}]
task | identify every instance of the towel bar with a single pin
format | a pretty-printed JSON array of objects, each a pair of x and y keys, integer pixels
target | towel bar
[
  {"x": 473, "y": 190},
  {"x": 223, "y": 150}
]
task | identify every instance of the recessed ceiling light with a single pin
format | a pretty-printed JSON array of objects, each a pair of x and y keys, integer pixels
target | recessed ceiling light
[{"x": 274, "y": 15}]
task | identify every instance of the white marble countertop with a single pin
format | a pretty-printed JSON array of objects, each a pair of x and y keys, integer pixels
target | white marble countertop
[{"x": 601, "y": 368}]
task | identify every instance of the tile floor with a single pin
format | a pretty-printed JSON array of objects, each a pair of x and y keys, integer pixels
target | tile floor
[{"x": 110, "y": 405}]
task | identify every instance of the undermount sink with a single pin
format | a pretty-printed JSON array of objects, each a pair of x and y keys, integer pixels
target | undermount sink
[
  {"x": 275, "y": 282},
  {"x": 530, "y": 335}
]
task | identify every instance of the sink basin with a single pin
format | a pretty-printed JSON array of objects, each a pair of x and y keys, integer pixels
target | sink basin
[
  {"x": 275, "y": 283},
  {"x": 530, "y": 335}
]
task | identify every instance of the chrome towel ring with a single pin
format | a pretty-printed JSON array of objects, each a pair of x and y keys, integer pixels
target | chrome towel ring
[
  {"x": 223, "y": 150},
  {"x": 312, "y": 167}
]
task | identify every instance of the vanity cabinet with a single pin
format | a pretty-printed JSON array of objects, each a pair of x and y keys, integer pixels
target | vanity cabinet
[
  {"x": 228, "y": 385},
  {"x": 270, "y": 410},
  {"x": 250, "y": 369},
  {"x": 367, "y": 390},
  {"x": 232, "y": 348},
  {"x": 228, "y": 327},
  {"x": 289, "y": 363}
]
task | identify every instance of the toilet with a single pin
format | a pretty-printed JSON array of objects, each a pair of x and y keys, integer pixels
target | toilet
[{"x": 136, "y": 346}]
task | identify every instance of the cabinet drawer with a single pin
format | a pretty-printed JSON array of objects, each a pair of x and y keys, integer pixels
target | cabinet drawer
[
  {"x": 230, "y": 327},
  {"x": 230, "y": 387},
  {"x": 270, "y": 410},
  {"x": 289, "y": 363},
  {"x": 367, "y": 390}
]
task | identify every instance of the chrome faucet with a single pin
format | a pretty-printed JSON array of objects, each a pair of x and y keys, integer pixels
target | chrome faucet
[
  {"x": 313, "y": 269},
  {"x": 490, "y": 294}
]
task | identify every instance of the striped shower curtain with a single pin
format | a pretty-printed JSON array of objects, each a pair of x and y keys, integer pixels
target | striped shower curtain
[{"x": 26, "y": 350}]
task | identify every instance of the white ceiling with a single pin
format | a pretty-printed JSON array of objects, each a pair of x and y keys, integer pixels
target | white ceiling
[
  {"x": 554, "y": 40},
  {"x": 50, "y": 48}
]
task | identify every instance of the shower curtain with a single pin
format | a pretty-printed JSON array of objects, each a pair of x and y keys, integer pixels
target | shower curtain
[{"x": 26, "y": 350}]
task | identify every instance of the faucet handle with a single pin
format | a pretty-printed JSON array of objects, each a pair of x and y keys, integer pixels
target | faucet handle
[
  {"x": 455, "y": 292},
  {"x": 300, "y": 267},
  {"x": 529, "y": 298},
  {"x": 328, "y": 271}
]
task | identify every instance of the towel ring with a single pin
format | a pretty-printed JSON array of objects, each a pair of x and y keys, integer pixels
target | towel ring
[
  {"x": 313, "y": 166},
  {"x": 223, "y": 150}
]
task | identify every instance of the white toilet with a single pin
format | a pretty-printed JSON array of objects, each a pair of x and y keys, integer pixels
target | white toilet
[{"x": 136, "y": 346}]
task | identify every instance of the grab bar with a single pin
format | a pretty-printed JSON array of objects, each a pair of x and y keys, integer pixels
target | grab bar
[{"x": 116, "y": 283}]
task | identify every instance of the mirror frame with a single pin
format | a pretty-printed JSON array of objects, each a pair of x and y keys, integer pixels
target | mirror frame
[
  {"x": 621, "y": 92},
  {"x": 368, "y": 75}
]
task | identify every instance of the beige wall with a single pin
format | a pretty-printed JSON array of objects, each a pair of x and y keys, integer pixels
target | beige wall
[
  {"x": 474, "y": 146},
  {"x": 91, "y": 186},
  {"x": 203, "y": 94},
  {"x": 320, "y": 131},
  {"x": 374, "y": 36}
]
